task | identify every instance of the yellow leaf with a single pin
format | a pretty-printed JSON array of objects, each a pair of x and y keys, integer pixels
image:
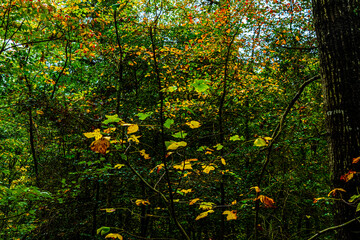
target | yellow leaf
[
  {"x": 100, "y": 145},
  {"x": 134, "y": 138},
  {"x": 176, "y": 145},
  {"x": 183, "y": 166},
  {"x": 96, "y": 133},
  {"x": 333, "y": 192},
  {"x": 108, "y": 210},
  {"x": 142, "y": 202},
  {"x": 234, "y": 202},
  {"x": 144, "y": 154},
  {"x": 114, "y": 236},
  {"x": 223, "y": 161},
  {"x": 207, "y": 169},
  {"x": 203, "y": 214},
  {"x": 231, "y": 215},
  {"x": 257, "y": 189},
  {"x": 297, "y": 38},
  {"x": 206, "y": 205},
  {"x": 109, "y": 130},
  {"x": 132, "y": 128},
  {"x": 119, "y": 166},
  {"x": 194, "y": 201},
  {"x": 259, "y": 142},
  {"x": 39, "y": 112},
  {"x": 193, "y": 124},
  {"x": 186, "y": 190}
]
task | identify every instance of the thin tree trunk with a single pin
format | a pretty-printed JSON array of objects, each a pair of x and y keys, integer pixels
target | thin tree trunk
[{"x": 337, "y": 25}]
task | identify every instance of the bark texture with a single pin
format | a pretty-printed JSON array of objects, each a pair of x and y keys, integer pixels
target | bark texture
[{"x": 337, "y": 24}]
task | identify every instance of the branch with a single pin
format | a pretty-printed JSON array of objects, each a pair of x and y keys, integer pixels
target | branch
[{"x": 333, "y": 228}]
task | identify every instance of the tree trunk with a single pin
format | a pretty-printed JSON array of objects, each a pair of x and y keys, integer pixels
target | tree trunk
[{"x": 337, "y": 24}]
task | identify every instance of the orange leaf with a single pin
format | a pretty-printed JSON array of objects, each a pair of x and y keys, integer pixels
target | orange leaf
[
  {"x": 268, "y": 202},
  {"x": 333, "y": 192},
  {"x": 356, "y": 160},
  {"x": 100, "y": 145},
  {"x": 348, "y": 176}
]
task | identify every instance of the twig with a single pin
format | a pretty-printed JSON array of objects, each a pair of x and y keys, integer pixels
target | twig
[{"x": 333, "y": 228}]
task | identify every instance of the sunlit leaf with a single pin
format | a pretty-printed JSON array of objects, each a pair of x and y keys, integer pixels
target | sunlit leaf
[
  {"x": 194, "y": 201},
  {"x": 143, "y": 116},
  {"x": 103, "y": 230},
  {"x": 206, "y": 205},
  {"x": 257, "y": 189},
  {"x": 193, "y": 124},
  {"x": 134, "y": 138},
  {"x": 176, "y": 145},
  {"x": 132, "y": 128},
  {"x": 139, "y": 202},
  {"x": 96, "y": 133},
  {"x": 207, "y": 169},
  {"x": 268, "y": 202},
  {"x": 168, "y": 122},
  {"x": 181, "y": 134},
  {"x": 356, "y": 160},
  {"x": 109, "y": 130},
  {"x": 144, "y": 154},
  {"x": 114, "y": 236},
  {"x": 185, "y": 191},
  {"x": 259, "y": 142},
  {"x": 333, "y": 192},
  {"x": 348, "y": 176},
  {"x": 112, "y": 119},
  {"x": 108, "y": 210},
  {"x": 236, "y": 138},
  {"x": 230, "y": 215},
  {"x": 223, "y": 161},
  {"x": 119, "y": 166},
  {"x": 203, "y": 214}
]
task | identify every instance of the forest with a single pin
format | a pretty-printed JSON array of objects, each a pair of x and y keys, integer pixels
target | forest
[{"x": 179, "y": 119}]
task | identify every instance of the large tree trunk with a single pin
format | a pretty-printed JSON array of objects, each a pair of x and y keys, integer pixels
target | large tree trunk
[{"x": 337, "y": 24}]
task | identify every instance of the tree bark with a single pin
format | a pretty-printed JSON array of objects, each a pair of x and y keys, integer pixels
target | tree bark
[{"x": 337, "y": 25}]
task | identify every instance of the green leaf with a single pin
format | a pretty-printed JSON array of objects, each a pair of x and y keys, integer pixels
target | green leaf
[
  {"x": 237, "y": 138},
  {"x": 259, "y": 142},
  {"x": 358, "y": 207},
  {"x": 181, "y": 134},
  {"x": 168, "y": 123},
  {"x": 218, "y": 146},
  {"x": 354, "y": 197},
  {"x": 103, "y": 230},
  {"x": 200, "y": 85},
  {"x": 143, "y": 116},
  {"x": 111, "y": 119},
  {"x": 115, "y": 6}
]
